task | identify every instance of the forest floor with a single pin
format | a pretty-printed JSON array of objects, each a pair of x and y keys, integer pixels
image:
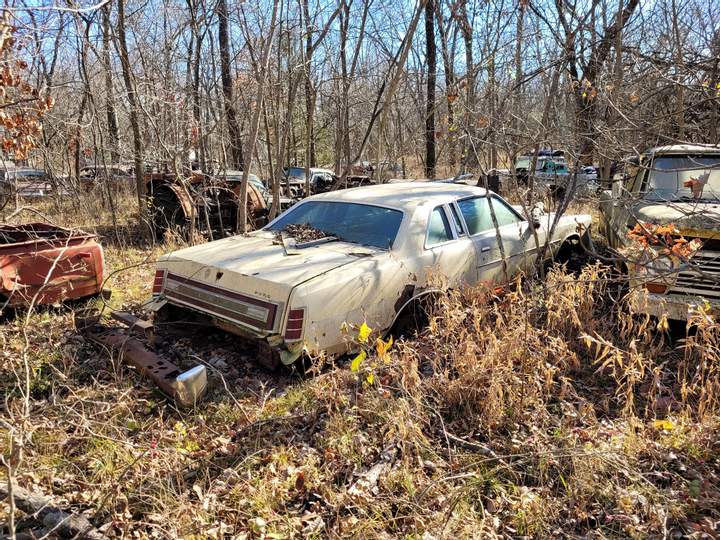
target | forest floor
[{"x": 547, "y": 412}]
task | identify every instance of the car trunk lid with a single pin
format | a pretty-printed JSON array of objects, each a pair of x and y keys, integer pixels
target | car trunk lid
[{"x": 249, "y": 279}]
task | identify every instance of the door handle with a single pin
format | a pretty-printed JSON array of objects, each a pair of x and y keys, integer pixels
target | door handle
[{"x": 484, "y": 249}]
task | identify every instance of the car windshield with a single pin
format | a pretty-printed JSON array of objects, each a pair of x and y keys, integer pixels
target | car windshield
[
  {"x": 296, "y": 172},
  {"x": 349, "y": 222},
  {"x": 522, "y": 162},
  {"x": 258, "y": 184},
  {"x": 677, "y": 178}
]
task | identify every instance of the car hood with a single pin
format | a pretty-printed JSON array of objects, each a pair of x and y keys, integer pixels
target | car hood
[{"x": 693, "y": 218}]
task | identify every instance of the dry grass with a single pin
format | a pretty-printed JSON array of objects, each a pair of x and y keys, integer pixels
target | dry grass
[{"x": 548, "y": 412}]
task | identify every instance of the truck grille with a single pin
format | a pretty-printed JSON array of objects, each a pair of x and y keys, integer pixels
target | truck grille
[
  {"x": 701, "y": 277},
  {"x": 216, "y": 301}
]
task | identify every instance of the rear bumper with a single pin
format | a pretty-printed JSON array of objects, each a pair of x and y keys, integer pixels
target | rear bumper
[{"x": 674, "y": 307}]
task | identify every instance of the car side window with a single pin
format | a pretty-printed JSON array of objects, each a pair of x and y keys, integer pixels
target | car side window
[
  {"x": 476, "y": 212},
  {"x": 503, "y": 213},
  {"x": 439, "y": 230},
  {"x": 457, "y": 220},
  {"x": 473, "y": 210}
]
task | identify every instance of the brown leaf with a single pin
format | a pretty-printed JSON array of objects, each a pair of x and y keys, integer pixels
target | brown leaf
[{"x": 300, "y": 481}]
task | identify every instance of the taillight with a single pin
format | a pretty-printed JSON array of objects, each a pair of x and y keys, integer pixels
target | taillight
[
  {"x": 294, "y": 325},
  {"x": 159, "y": 281}
]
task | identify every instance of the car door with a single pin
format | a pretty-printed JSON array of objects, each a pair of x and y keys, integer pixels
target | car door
[
  {"x": 513, "y": 232},
  {"x": 448, "y": 249}
]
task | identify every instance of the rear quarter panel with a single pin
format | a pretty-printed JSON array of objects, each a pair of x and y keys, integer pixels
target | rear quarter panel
[{"x": 364, "y": 291}]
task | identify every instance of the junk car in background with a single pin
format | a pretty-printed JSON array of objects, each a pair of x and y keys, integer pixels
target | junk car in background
[
  {"x": 205, "y": 203},
  {"x": 293, "y": 183},
  {"x": 553, "y": 174},
  {"x": 24, "y": 183}
]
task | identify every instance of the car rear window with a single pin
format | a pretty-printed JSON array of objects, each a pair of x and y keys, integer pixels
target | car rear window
[{"x": 350, "y": 222}]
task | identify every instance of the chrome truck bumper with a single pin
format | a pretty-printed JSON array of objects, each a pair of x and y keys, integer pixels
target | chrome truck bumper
[
  {"x": 675, "y": 307},
  {"x": 186, "y": 388}
]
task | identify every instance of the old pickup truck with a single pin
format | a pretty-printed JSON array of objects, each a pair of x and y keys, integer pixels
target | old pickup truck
[
  {"x": 669, "y": 198},
  {"x": 346, "y": 257}
]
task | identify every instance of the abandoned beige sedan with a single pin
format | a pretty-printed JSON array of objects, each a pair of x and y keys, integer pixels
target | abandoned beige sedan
[{"x": 343, "y": 258}]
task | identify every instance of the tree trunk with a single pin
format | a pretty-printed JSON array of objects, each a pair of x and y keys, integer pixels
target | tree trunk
[
  {"x": 112, "y": 122},
  {"x": 450, "y": 86},
  {"x": 517, "y": 95},
  {"x": 236, "y": 152},
  {"x": 309, "y": 99},
  {"x": 345, "y": 114},
  {"x": 134, "y": 115},
  {"x": 430, "y": 57},
  {"x": 255, "y": 124},
  {"x": 493, "y": 113},
  {"x": 679, "y": 85},
  {"x": 469, "y": 157}
]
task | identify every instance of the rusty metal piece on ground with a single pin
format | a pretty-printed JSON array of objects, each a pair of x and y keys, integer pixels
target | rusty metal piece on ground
[
  {"x": 46, "y": 264},
  {"x": 186, "y": 388},
  {"x": 136, "y": 324}
]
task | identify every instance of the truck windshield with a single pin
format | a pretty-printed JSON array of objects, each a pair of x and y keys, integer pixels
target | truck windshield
[
  {"x": 684, "y": 177},
  {"x": 349, "y": 222},
  {"x": 296, "y": 172},
  {"x": 523, "y": 162}
]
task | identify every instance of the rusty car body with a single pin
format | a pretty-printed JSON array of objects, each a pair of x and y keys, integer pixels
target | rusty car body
[
  {"x": 203, "y": 202},
  {"x": 678, "y": 186},
  {"x": 45, "y": 264},
  {"x": 370, "y": 258}
]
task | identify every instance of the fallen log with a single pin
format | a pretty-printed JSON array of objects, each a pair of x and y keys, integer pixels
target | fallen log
[{"x": 53, "y": 519}]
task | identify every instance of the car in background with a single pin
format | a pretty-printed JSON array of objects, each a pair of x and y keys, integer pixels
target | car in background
[
  {"x": 294, "y": 181},
  {"x": 590, "y": 172},
  {"x": 202, "y": 202},
  {"x": 662, "y": 216},
  {"x": 553, "y": 174},
  {"x": 91, "y": 176},
  {"x": 234, "y": 177},
  {"x": 350, "y": 256},
  {"x": 25, "y": 183}
]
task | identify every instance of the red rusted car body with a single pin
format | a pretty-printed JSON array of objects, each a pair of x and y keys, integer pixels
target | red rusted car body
[{"x": 45, "y": 264}]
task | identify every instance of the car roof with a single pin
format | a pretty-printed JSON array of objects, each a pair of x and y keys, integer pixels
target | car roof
[
  {"x": 684, "y": 149},
  {"x": 235, "y": 173},
  {"x": 402, "y": 195}
]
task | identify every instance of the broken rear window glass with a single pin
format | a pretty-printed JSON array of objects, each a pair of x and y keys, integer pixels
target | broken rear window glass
[{"x": 349, "y": 222}]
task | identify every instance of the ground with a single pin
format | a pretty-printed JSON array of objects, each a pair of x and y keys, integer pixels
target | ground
[{"x": 547, "y": 411}]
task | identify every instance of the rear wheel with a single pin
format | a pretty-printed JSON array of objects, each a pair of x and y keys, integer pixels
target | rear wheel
[
  {"x": 413, "y": 318},
  {"x": 167, "y": 214}
]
